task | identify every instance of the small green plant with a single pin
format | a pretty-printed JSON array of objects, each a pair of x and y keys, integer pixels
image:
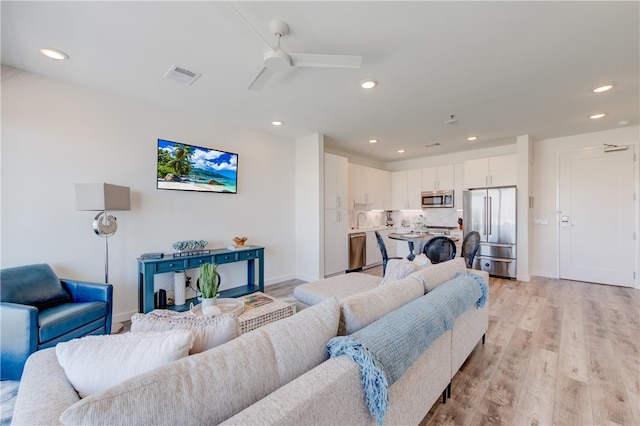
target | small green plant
[{"x": 209, "y": 280}]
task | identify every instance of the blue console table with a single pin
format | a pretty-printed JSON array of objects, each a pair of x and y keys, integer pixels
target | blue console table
[{"x": 147, "y": 268}]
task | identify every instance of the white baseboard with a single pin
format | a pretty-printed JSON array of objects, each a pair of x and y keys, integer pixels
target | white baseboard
[
  {"x": 277, "y": 280},
  {"x": 123, "y": 317}
]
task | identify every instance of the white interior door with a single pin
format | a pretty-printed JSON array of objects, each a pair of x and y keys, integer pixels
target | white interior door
[{"x": 596, "y": 216}]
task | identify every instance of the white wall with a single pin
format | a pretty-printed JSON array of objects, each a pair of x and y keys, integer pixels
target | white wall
[
  {"x": 55, "y": 135},
  {"x": 546, "y": 154}
]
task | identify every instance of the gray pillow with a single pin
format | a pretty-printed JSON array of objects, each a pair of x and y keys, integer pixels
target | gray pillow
[{"x": 35, "y": 285}]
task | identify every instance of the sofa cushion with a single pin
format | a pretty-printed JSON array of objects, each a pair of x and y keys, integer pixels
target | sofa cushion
[
  {"x": 362, "y": 309},
  {"x": 35, "y": 285},
  {"x": 211, "y": 386},
  {"x": 340, "y": 286},
  {"x": 299, "y": 344},
  {"x": 62, "y": 319},
  {"x": 435, "y": 275},
  {"x": 96, "y": 363},
  {"x": 208, "y": 331}
]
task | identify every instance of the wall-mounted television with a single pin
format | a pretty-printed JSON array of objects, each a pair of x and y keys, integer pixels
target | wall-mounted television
[{"x": 194, "y": 168}]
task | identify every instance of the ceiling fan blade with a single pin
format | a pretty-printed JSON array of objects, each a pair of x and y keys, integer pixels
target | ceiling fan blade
[
  {"x": 260, "y": 80},
  {"x": 325, "y": 61}
]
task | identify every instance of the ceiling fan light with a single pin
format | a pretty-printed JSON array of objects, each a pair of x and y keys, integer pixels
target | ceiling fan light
[
  {"x": 603, "y": 88},
  {"x": 368, "y": 84},
  {"x": 56, "y": 54}
]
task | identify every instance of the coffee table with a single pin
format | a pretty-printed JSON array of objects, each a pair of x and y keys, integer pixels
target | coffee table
[{"x": 254, "y": 317}]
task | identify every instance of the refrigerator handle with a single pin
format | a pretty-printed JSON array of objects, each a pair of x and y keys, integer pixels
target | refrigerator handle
[
  {"x": 489, "y": 207},
  {"x": 484, "y": 217}
]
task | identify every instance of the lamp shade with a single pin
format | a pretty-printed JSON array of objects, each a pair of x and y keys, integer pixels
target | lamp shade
[{"x": 102, "y": 196}]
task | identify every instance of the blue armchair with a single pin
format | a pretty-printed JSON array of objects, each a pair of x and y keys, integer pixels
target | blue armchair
[{"x": 38, "y": 310}]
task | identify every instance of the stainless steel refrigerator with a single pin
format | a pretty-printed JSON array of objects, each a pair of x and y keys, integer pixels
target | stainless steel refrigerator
[{"x": 492, "y": 213}]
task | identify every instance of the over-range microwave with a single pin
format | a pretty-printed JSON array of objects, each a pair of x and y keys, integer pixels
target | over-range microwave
[{"x": 436, "y": 199}]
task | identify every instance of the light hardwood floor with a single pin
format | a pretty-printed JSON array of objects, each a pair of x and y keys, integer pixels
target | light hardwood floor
[{"x": 556, "y": 352}]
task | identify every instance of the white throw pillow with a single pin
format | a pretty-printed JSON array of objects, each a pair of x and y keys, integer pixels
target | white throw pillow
[
  {"x": 208, "y": 331},
  {"x": 96, "y": 363},
  {"x": 422, "y": 261},
  {"x": 398, "y": 271}
]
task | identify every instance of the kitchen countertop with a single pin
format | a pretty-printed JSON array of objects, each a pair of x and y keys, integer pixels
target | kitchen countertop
[{"x": 370, "y": 228}]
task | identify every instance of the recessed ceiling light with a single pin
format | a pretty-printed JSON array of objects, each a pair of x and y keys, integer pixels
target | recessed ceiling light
[
  {"x": 623, "y": 122},
  {"x": 373, "y": 140},
  {"x": 596, "y": 116},
  {"x": 54, "y": 54},
  {"x": 368, "y": 84},
  {"x": 472, "y": 138},
  {"x": 603, "y": 88},
  {"x": 401, "y": 151},
  {"x": 277, "y": 123}
]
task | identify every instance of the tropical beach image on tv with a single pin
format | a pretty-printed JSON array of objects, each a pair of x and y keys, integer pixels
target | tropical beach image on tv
[{"x": 194, "y": 168}]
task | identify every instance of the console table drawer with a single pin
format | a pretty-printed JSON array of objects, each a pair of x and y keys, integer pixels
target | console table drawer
[
  {"x": 169, "y": 266},
  {"x": 195, "y": 263},
  {"x": 226, "y": 257},
  {"x": 248, "y": 254}
]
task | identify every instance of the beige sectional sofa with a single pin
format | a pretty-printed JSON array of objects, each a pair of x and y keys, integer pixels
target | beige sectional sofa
[{"x": 277, "y": 374}]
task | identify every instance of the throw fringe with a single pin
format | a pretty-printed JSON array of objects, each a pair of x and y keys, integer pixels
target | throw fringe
[
  {"x": 374, "y": 381},
  {"x": 484, "y": 288}
]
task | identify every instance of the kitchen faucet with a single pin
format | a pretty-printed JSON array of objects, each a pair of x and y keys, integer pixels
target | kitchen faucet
[{"x": 358, "y": 219}]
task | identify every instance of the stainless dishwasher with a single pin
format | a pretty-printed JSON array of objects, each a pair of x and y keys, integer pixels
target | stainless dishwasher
[{"x": 357, "y": 247}]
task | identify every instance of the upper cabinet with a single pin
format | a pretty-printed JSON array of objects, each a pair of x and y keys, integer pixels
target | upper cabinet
[
  {"x": 406, "y": 187},
  {"x": 490, "y": 172},
  {"x": 438, "y": 178},
  {"x": 371, "y": 188},
  {"x": 335, "y": 182}
]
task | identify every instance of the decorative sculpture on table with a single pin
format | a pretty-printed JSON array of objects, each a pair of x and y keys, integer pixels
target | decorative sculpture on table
[
  {"x": 239, "y": 241},
  {"x": 190, "y": 248}
]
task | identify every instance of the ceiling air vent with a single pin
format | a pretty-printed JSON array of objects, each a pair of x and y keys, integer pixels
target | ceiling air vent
[{"x": 182, "y": 75}]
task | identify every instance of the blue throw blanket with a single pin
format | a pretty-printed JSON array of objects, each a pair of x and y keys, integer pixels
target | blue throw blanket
[{"x": 386, "y": 348}]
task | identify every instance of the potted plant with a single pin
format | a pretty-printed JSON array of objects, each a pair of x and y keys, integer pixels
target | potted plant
[{"x": 209, "y": 282}]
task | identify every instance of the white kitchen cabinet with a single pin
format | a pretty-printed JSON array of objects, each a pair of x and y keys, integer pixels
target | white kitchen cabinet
[
  {"x": 371, "y": 188},
  {"x": 381, "y": 189},
  {"x": 335, "y": 181},
  {"x": 373, "y": 255},
  {"x": 406, "y": 187},
  {"x": 336, "y": 241},
  {"x": 438, "y": 178},
  {"x": 490, "y": 172}
]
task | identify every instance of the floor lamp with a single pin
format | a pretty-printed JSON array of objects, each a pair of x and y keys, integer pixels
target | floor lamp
[{"x": 103, "y": 197}]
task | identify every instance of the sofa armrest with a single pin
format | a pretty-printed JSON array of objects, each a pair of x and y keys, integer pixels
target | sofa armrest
[
  {"x": 45, "y": 392},
  {"x": 83, "y": 291},
  {"x": 483, "y": 274},
  {"x": 18, "y": 337}
]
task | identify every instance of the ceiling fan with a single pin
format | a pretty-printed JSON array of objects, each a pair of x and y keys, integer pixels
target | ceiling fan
[{"x": 277, "y": 60}]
